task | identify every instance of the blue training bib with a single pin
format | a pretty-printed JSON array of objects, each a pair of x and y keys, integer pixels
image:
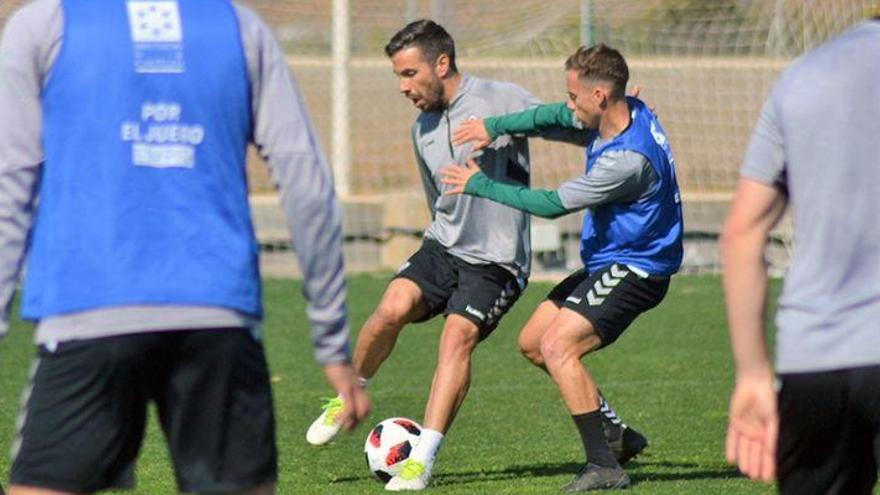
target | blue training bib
[
  {"x": 143, "y": 199},
  {"x": 646, "y": 233}
]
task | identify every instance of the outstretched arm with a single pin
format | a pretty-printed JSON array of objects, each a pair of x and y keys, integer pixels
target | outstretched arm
[
  {"x": 615, "y": 177},
  {"x": 541, "y": 120},
  {"x": 552, "y": 121},
  {"x": 470, "y": 180}
]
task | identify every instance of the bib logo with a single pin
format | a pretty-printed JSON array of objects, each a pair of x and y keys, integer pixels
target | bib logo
[
  {"x": 157, "y": 36},
  {"x": 161, "y": 139}
]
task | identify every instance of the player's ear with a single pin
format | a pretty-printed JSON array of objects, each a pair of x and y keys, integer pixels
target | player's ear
[
  {"x": 596, "y": 94},
  {"x": 442, "y": 65},
  {"x": 600, "y": 94}
]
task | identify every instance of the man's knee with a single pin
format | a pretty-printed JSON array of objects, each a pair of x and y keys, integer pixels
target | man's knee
[
  {"x": 570, "y": 337},
  {"x": 558, "y": 347},
  {"x": 391, "y": 314},
  {"x": 554, "y": 348},
  {"x": 530, "y": 348},
  {"x": 397, "y": 309},
  {"x": 460, "y": 335},
  {"x": 400, "y": 304}
]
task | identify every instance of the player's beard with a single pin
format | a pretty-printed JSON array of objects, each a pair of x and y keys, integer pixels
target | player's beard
[{"x": 435, "y": 95}]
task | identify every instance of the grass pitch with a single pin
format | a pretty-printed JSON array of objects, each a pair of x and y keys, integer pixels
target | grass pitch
[{"x": 669, "y": 376}]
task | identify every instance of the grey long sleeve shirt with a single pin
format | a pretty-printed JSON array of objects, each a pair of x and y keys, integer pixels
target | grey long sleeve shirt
[
  {"x": 478, "y": 230},
  {"x": 282, "y": 132}
]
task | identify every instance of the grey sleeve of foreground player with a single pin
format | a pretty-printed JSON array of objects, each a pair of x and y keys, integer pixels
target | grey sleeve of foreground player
[
  {"x": 285, "y": 137},
  {"x": 765, "y": 157},
  {"x": 22, "y": 56}
]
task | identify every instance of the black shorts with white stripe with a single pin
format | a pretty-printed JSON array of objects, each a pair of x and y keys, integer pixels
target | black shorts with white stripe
[
  {"x": 450, "y": 285},
  {"x": 609, "y": 298}
]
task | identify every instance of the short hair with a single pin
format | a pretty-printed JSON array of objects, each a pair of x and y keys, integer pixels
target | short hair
[
  {"x": 603, "y": 63},
  {"x": 428, "y": 36}
]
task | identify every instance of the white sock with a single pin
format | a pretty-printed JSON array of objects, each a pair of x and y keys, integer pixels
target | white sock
[{"x": 427, "y": 448}]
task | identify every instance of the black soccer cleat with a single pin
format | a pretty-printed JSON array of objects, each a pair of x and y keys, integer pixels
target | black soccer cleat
[
  {"x": 594, "y": 477},
  {"x": 625, "y": 443}
]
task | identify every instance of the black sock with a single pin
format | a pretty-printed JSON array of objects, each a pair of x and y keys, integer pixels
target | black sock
[
  {"x": 610, "y": 422},
  {"x": 598, "y": 452}
]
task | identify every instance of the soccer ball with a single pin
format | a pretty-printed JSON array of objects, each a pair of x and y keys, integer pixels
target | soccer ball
[{"x": 388, "y": 446}]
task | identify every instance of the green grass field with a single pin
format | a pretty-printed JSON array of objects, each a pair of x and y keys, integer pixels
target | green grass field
[{"x": 669, "y": 376}]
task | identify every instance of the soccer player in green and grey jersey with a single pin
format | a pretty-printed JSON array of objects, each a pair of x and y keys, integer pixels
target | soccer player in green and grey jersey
[
  {"x": 617, "y": 176},
  {"x": 475, "y": 258}
]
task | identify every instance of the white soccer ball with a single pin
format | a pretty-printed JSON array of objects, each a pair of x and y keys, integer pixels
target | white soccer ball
[{"x": 388, "y": 446}]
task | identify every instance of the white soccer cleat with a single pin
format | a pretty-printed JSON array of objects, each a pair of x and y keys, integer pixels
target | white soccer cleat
[
  {"x": 414, "y": 476},
  {"x": 324, "y": 429}
]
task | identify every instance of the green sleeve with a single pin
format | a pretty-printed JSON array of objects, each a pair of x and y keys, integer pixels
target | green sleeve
[
  {"x": 541, "y": 202},
  {"x": 541, "y": 117}
]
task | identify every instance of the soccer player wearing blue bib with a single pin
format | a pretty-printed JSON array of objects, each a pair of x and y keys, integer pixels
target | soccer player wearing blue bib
[
  {"x": 630, "y": 245},
  {"x": 123, "y": 181}
]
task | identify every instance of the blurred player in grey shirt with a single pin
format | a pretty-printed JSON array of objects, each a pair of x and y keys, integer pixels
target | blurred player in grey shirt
[
  {"x": 129, "y": 122},
  {"x": 817, "y": 147}
]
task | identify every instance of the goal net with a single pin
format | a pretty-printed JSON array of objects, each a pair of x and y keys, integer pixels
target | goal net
[{"x": 706, "y": 66}]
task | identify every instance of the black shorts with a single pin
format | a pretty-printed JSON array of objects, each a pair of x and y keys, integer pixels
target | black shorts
[
  {"x": 450, "y": 285},
  {"x": 609, "y": 298},
  {"x": 829, "y": 432},
  {"x": 84, "y": 413}
]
